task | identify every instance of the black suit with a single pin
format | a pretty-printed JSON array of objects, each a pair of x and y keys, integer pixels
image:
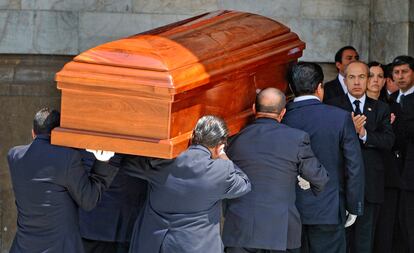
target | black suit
[
  {"x": 272, "y": 155},
  {"x": 404, "y": 146},
  {"x": 108, "y": 227},
  {"x": 49, "y": 184},
  {"x": 336, "y": 145},
  {"x": 333, "y": 89},
  {"x": 387, "y": 226},
  {"x": 380, "y": 138}
]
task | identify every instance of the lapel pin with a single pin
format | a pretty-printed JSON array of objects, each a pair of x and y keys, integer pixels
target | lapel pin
[{"x": 369, "y": 109}]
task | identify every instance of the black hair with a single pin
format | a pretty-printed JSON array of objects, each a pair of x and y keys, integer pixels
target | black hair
[
  {"x": 210, "y": 131},
  {"x": 377, "y": 64},
  {"x": 402, "y": 60},
  {"x": 304, "y": 78},
  {"x": 388, "y": 70},
  {"x": 338, "y": 55},
  {"x": 45, "y": 120}
]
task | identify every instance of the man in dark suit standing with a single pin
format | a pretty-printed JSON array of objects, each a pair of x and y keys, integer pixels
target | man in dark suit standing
[
  {"x": 403, "y": 75},
  {"x": 183, "y": 210},
  {"x": 336, "y": 145},
  {"x": 108, "y": 227},
  {"x": 372, "y": 122},
  {"x": 49, "y": 184},
  {"x": 272, "y": 155},
  {"x": 337, "y": 86}
]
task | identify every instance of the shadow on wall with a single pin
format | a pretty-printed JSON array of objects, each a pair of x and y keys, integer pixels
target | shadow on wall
[{"x": 26, "y": 85}]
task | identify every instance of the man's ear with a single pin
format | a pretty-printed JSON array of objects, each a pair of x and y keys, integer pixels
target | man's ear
[
  {"x": 282, "y": 114},
  {"x": 320, "y": 92},
  {"x": 338, "y": 65},
  {"x": 33, "y": 134}
]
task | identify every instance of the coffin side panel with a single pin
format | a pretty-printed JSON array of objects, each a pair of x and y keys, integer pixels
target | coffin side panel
[
  {"x": 120, "y": 143},
  {"x": 231, "y": 99},
  {"x": 109, "y": 113}
]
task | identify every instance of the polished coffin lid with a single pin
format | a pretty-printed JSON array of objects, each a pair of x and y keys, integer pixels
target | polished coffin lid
[{"x": 160, "y": 67}]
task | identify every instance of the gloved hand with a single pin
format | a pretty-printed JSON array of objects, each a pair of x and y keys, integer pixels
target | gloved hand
[
  {"x": 351, "y": 218},
  {"x": 303, "y": 184},
  {"x": 101, "y": 155}
]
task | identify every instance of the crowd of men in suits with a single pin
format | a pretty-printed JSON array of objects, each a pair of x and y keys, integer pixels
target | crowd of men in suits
[{"x": 331, "y": 171}]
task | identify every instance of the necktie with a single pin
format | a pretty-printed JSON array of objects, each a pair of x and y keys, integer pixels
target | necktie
[
  {"x": 402, "y": 100},
  {"x": 357, "y": 109}
]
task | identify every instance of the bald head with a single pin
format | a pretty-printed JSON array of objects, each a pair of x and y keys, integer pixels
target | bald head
[{"x": 270, "y": 100}]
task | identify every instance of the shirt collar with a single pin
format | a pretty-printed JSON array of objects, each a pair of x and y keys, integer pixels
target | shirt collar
[
  {"x": 408, "y": 92},
  {"x": 305, "y": 97},
  {"x": 361, "y": 100},
  {"x": 341, "y": 79}
]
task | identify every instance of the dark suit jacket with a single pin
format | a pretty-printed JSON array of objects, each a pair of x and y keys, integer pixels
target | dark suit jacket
[
  {"x": 49, "y": 184},
  {"x": 113, "y": 218},
  {"x": 336, "y": 145},
  {"x": 380, "y": 138},
  {"x": 333, "y": 89},
  {"x": 272, "y": 155},
  {"x": 183, "y": 210},
  {"x": 404, "y": 144},
  {"x": 393, "y": 162}
]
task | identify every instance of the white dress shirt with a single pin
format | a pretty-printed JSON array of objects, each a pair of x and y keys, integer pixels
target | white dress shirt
[
  {"x": 341, "y": 79},
  {"x": 361, "y": 107},
  {"x": 408, "y": 92},
  {"x": 305, "y": 97}
]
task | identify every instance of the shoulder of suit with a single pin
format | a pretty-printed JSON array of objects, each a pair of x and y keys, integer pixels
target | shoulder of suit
[
  {"x": 333, "y": 81},
  {"x": 332, "y": 108},
  {"x": 332, "y": 84},
  {"x": 293, "y": 131},
  {"x": 17, "y": 150}
]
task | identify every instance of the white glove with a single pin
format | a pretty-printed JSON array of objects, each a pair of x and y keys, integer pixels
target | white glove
[
  {"x": 303, "y": 184},
  {"x": 102, "y": 155},
  {"x": 351, "y": 218}
]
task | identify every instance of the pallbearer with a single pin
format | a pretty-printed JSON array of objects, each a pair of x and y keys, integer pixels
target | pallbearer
[{"x": 183, "y": 209}]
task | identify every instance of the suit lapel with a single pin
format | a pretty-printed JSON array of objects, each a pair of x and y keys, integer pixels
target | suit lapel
[
  {"x": 370, "y": 109},
  {"x": 346, "y": 104},
  {"x": 339, "y": 89}
]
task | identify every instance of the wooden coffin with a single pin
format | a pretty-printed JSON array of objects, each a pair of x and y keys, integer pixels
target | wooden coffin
[{"x": 143, "y": 94}]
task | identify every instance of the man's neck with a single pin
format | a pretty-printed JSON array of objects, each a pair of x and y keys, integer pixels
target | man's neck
[
  {"x": 409, "y": 90},
  {"x": 274, "y": 116},
  {"x": 356, "y": 98}
]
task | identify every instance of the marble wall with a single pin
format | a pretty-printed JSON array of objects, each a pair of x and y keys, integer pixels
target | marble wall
[
  {"x": 379, "y": 29},
  {"x": 26, "y": 85}
]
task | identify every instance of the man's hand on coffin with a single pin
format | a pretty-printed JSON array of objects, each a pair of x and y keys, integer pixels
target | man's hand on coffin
[{"x": 101, "y": 155}]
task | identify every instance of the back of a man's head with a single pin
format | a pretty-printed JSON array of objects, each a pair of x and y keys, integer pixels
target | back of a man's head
[
  {"x": 402, "y": 60},
  {"x": 45, "y": 120},
  {"x": 388, "y": 71},
  {"x": 270, "y": 100},
  {"x": 210, "y": 131},
  {"x": 304, "y": 78}
]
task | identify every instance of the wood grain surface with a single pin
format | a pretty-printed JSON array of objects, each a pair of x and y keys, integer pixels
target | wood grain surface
[{"x": 143, "y": 94}]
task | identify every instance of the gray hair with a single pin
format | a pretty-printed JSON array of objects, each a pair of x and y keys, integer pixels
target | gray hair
[{"x": 210, "y": 131}]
